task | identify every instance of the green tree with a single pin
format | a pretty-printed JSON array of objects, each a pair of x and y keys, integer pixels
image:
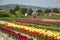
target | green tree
[
  {"x": 39, "y": 11},
  {"x": 55, "y": 10},
  {"x": 16, "y": 8},
  {"x": 12, "y": 12},
  {"x": 47, "y": 11},
  {"x": 18, "y": 13},
  {"x": 23, "y": 10},
  {"x": 29, "y": 11}
]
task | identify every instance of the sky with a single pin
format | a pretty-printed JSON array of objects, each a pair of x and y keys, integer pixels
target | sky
[{"x": 39, "y": 3}]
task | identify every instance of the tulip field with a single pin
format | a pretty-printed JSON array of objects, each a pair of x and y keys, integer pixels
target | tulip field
[
  {"x": 29, "y": 20},
  {"x": 31, "y": 29}
]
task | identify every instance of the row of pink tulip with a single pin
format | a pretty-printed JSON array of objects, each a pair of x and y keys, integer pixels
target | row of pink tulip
[{"x": 17, "y": 35}]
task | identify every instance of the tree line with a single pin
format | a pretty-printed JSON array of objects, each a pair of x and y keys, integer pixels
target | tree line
[{"x": 17, "y": 11}]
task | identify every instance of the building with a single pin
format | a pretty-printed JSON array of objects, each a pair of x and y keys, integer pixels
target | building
[{"x": 54, "y": 14}]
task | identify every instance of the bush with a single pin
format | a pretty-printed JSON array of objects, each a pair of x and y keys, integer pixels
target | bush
[{"x": 4, "y": 14}]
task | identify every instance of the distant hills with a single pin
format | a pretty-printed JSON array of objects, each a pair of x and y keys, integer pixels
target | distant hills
[{"x": 12, "y": 6}]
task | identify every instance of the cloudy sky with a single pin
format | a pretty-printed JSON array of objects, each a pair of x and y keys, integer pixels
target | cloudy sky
[{"x": 40, "y": 3}]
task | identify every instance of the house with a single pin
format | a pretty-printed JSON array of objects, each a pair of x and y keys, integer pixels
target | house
[{"x": 54, "y": 14}]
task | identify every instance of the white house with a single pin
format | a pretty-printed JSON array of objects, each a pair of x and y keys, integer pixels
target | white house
[{"x": 54, "y": 14}]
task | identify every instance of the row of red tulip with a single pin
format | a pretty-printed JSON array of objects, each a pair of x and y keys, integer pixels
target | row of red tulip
[
  {"x": 40, "y": 21},
  {"x": 17, "y": 35},
  {"x": 37, "y": 34}
]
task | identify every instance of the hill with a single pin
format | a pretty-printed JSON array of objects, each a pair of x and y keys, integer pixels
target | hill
[{"x": 11, "y": 6}]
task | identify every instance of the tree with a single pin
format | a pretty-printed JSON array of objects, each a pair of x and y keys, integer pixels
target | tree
[
  {"x": 47, "y": 11},
  {"x": 29, "y": 11},
  {"x": 55, "y": 10},
  {"x": 18, "y": 13},
  {"x": 16, "y": 8},
  {"x": 23, "y": 10},
  {"x": 12, "y": 11},
  {"x": 39, "y": 11}
]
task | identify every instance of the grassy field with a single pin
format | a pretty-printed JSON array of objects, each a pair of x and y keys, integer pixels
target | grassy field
[
  {"x": 49, "y": 17},
  {"x": 12, "y": 18},
  {"x": 28, "y": 17}
]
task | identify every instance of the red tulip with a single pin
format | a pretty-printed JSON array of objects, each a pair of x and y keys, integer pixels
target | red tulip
[{"x": 54, "y": 38}]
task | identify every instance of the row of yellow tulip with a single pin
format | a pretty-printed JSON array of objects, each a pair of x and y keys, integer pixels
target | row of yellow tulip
[{"x": 33, "y": 29}]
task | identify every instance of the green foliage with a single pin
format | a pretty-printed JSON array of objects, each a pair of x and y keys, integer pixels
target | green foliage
[
  {"x": 39, "y": 11},
  {"x": 23, "y": 10},
  {"x": 47, "y": 11},
  {"x": 16, "y": 8},
  {"x": 4, "y": 14},
  {"x": 12, "y": 12},
  {"x": 18, "y": 13},
  {"x": 55, "y": 10},
  {"x": 12, "y": 15},
  {"x": 29, "y": 11}
]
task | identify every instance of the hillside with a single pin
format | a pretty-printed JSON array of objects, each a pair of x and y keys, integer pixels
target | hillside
[{"x": 11, "y": 6}]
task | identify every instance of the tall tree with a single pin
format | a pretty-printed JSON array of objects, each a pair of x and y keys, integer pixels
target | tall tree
[
  {"x": 30, "y": 11},
  {"x": 12, "y": 11},
  {"x": 23, "y": 10},
  {"x": 16, "y": 8},
  {"x": 55, "y": 10}
]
